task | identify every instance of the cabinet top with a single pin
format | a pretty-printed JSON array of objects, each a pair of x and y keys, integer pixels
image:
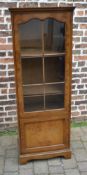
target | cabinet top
[{"x": 41, "y": 9}]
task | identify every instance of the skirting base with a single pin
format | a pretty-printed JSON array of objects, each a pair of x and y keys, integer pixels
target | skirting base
[{"x": 24, "y": 158}]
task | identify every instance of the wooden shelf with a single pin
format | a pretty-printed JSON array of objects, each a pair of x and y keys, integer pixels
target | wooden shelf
[
  {"x": 28, "y": 53},
  {"x": 38, "y": 84},
  {"x": 43, "y": 90},
  {"x": 36, "y": 103}
]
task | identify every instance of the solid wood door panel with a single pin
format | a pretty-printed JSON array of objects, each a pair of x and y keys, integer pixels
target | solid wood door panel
[
  {"x": 44, "y": 136},
  {"x": 44, "y": 133}
]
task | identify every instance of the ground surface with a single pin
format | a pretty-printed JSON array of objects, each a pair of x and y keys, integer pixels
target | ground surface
[{"x": 77, "y": 165}]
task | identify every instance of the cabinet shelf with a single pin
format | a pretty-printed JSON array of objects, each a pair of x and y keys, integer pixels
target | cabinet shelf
[
  {"x": 38, "y": 84},
  {"x": 29, "y": 53},
  {"x": 45, "y": 89},
  {"x": 37, "y": 103},
  {"x": 46, "y": 94}
]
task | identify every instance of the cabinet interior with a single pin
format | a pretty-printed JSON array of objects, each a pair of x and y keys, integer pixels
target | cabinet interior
[{"x": 43, "y": 64}]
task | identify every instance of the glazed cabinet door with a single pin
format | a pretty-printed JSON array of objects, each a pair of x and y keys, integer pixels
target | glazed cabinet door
[
  {"x": 42, "y": 48},
  {"x": 43, "y": 74}
]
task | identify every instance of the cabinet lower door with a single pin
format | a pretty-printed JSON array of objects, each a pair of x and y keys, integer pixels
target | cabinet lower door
[{"x": 43, "y": 136}]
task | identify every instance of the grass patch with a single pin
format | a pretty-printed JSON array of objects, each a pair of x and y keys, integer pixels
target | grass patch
[
  {"x": 78, "y": 124},
  {"x": 15, "y": 132},
  {"x": 10, "y": 133}
]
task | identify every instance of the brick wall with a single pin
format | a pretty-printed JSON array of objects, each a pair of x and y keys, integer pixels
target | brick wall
[{"x": 8, "y": 116}]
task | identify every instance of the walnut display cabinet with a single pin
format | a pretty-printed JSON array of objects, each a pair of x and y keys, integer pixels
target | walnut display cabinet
[{"x": 42, "y": 42}]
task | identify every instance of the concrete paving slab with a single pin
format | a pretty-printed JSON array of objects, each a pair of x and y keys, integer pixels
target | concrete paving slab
[
  {"x": 41, "y": 166},
  {"x": 80, "y": 155},
  {"x": 69, "y": 163},
  {"x": 77, "y": 165},
  {"x": 82, "y": 166},
  {"x": 72, "y": 172},
  {"x": 11, "y": 165}
]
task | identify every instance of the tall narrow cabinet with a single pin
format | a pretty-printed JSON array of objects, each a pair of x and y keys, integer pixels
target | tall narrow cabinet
[{"x": 42, "y": 43}]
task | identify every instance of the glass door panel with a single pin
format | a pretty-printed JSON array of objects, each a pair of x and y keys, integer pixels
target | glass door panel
[
  {"x": 54, "y": 82},
  {"x": 32, "y": 79},
  {"x": 54, "y": 69},
  {"x": 55, "y": 101},
  {"x": 43, "y": 71},
  {"x": 33, "y": 90},
  {"x": 32, "y": 71},
  {"x": 34, "y": 103},
  {"x": 51, "y": 89},
  {"x": 30, "y": 37},
  {"x": 54, "y": 96},
  {"x": 54, "y": 36}
]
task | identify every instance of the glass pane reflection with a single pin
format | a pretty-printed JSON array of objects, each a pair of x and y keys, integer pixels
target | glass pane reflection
[
  {"x": 42, "y": 48},
  {"x": 54, "y": 35},
  {"x": 30, "y": 37},
  {"x": 32, "y": 72},
  {"x": 54, "y": 69}
]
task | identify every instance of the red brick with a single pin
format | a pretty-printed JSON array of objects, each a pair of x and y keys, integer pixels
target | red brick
[
  {"x": 12, "y": 91},
  {"x": 81, "y": 107},
  {"x": 8, "y": 4},
  {"x": 77, "y": 33},
  {"x": 3, "y": 97},
  {"x": 2, "y": 54},
  {"x": 8, "y": 119},
  {"x": 8, "y": 19},
  {"x": 10, "y": 40},
  {"x": 83, "y": 26},
  {"x": 1, "y": 19},
  {"x": 12, "y": 85},
  {"x": 7, "y": 102},
  {"x": 3, "y": 27},
  {"x": 3, "y": 85},
  {"x": 11, "y": 66},
  {"x": 6, "y": 47},
  {"x": 76, "y": 58},
  {"x": 2, "y": 73},
  {"x": 10, "y": 108},
  {"x": 5, "y": 33},
  {"x": 6, "y": 60},
  {"x": 3, "y": 91},
  {"x": 76, "y": 113},
  {"x": 83, "y": 57},
  {"x": 28, "y": 4},
  {"x": 10, "y": 53},
  {"x": 10, "y": 73},
  {"x": 12, "y": 113},
  {"x": 81, "y": 46},
  {"x": 85, "y": 52},
  {"x": 85, "y": 33},
  {"x": 76, "y": 39},
  {"x": 80, "y": 13},
  {"x": 77, "y": 97},
  {"x": 2, "y": 114},
  {"x": 6, "y": 79},
  {"x": 48, "y": 5},
  {"x": 2, "y": 40},
  {"x": 80, "y": 5},
  {"x": 62, "y": 4},
  {"x": 1, "y": 120},
  {"x": 2, "y": 67}
]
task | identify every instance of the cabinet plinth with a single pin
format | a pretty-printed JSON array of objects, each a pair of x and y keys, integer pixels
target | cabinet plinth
[{"x": 42, "y": 43}]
